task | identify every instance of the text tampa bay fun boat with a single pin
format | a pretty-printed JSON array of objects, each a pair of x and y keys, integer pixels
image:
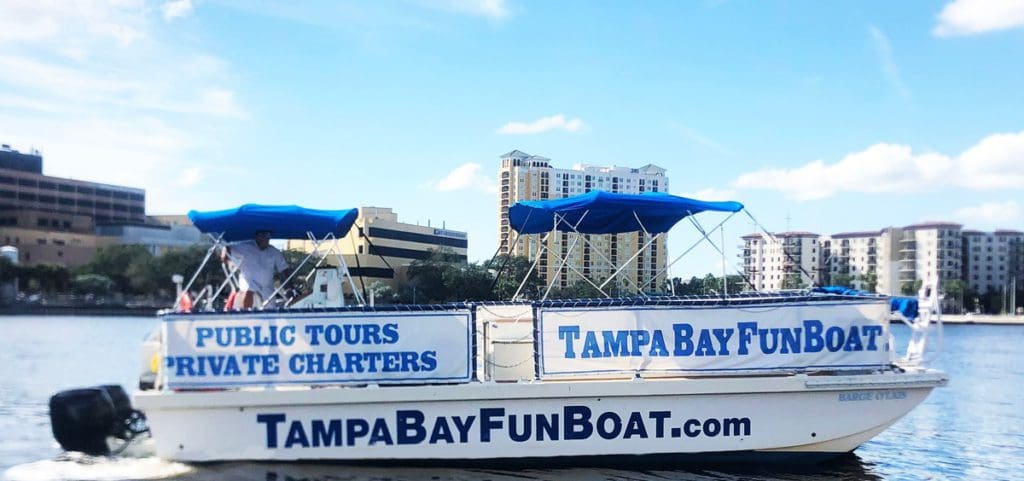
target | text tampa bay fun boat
[{"x": 666, "y": 379}]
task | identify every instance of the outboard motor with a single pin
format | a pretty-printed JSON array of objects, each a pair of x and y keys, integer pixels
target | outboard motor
[{"x": 83, "y": 419}]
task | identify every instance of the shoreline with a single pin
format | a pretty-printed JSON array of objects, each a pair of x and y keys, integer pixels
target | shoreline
[
  {"x": 39, "y": 310},
  {"x": 150, "y": 311},
  {"x": 991, "y": 319}
]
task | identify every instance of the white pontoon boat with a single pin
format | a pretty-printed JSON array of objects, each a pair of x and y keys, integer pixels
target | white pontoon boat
[{"x": 573, "y": 382}]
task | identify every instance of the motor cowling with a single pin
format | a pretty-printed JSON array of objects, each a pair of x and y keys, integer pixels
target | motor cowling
[{"x": 83, "y": 419}]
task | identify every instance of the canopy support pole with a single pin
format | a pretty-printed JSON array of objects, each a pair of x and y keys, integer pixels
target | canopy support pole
[
  {"x": 784, "y": 251},
  {"x": 195, "y": 275},
  {"x": 634, "y": 256},
  {"x": 612, "y": 264},
  {"x": 316, "y": 248},
  {"x": 355, "y": 250},
  {"x": 695, "y": 244},
  {"x": 568, "y": 253},
  {"x": 336, "y": 249},
  {"x": 585, "y": 278},
  {"x": 229, "y": 277},
  {"x": 508, "y": 255},
  {"x": 533, "y": 266},
  {"x": 564, "y": 261}
]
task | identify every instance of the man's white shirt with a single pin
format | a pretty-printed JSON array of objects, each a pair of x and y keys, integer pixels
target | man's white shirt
[{"x": 256, "y": 267}]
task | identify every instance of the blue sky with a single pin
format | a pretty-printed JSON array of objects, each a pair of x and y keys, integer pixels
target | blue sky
[{"x": 820, "y": 116}]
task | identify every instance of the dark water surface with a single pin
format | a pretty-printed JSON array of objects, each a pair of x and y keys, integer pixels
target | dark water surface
[{"x": 971, "y": 429}]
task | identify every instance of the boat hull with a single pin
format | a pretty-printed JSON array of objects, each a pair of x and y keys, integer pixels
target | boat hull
[{"x": 567, "y": 422}]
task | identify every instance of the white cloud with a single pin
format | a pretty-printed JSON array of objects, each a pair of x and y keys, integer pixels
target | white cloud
[
  {"x": 176, "y": 9},
  {"x": 888, "y": 62},
  {"x": 492, "y": 9},
  {"x": 111, "y": 95},
  {"x": 466, "y": 177},
  {"x": 543, "y": 124},
  {"x": 70, "y": 25},
  {"x": 995, "y": 162},
  {"x": 712, "y": 193},
  {"x": 970, "y": 17},
  {"x": 190, "y": 176},
  {"x": 990, "y": 214},
  {"x": 694, "y": 136}
]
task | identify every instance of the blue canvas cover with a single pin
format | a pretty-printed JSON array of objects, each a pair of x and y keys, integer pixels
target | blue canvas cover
[
  {"x": 908, "y": 306},
  {"x": 283, "y": 221},
  {"x": 609, "y": 213}
]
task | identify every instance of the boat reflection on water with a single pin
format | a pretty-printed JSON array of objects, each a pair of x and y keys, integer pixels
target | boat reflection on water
[{"x": 846, "y": 467}]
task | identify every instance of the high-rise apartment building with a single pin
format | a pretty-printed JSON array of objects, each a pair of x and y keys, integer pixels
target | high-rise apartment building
[
  {"x": 893, "y": 261},
  {"x": 852, "y": 256},
  {"x": 993, "y": 261},
  {"x": 785, "y": 260},
  {"x": 531, "y": 177},
  {"x": 927, "y": 252}
]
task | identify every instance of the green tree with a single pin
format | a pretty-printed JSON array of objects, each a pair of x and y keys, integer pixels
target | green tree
[
  {"x": 127, "y": 265},
  {"x": 44, "y": 278},
  {"x": 94, "y": 284},
  {"x": 870, "y": 281},
  {"x": 8, "y": 271},
  {"x": 515, "y": 269},
  {"x": 842, "y": 280},
  {"x": 442, "y": 278},
  {"x": 793, "y": 280},
  {"x": 991, "y": 301},
  {"x": 910, "y": 288},
  {"x": 954, "y": 290},
  {"x": 576, "y": 290}
]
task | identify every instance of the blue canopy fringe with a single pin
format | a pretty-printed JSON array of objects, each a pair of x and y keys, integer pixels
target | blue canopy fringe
[
  {"x": 599, "y": 212},
  {"x": 283, "y": 221}
]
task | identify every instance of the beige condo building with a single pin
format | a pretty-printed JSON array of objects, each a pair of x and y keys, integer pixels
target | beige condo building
[{"x": 522, "y": 176}]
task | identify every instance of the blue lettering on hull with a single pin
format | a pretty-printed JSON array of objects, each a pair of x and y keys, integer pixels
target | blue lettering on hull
[{"x": 413, "y": 427}]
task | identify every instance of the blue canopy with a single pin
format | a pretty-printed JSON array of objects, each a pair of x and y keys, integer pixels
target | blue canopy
[
  {"x": 283, "y": 221},
  {"x": 608, "y": 213}
]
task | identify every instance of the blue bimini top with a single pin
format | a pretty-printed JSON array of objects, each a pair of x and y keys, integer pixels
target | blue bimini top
[
  {"x": 599, "y": 212},
  {"x": 283, "y": 221}
]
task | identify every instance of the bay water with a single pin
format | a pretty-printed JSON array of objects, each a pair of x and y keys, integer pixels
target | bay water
[{"x": 971, "y": 429}]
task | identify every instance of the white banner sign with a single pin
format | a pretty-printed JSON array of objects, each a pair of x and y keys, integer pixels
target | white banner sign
[
  {"x": 376, "y": 347},
  {"x": 775, "y": 337}
]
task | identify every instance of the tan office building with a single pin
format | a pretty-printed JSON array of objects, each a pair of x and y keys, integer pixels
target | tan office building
[
  {"x": 52, "y": 220},
  {"x": 380, "y": 248}
]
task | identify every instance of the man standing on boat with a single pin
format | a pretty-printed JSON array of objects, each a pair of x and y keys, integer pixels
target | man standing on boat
[{"x": 257, "y": 262}]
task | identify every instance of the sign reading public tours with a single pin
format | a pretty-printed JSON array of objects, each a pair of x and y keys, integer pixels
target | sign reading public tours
[
  {"x": 759, "y": 338},
  {"x": 215, "y": 352}
]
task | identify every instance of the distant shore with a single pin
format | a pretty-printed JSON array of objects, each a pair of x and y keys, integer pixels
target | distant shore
[
  {"x": 150, "y": 311},
  {"x": 1004, "y": 319},
  {"x": 52, "y": 310}
]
